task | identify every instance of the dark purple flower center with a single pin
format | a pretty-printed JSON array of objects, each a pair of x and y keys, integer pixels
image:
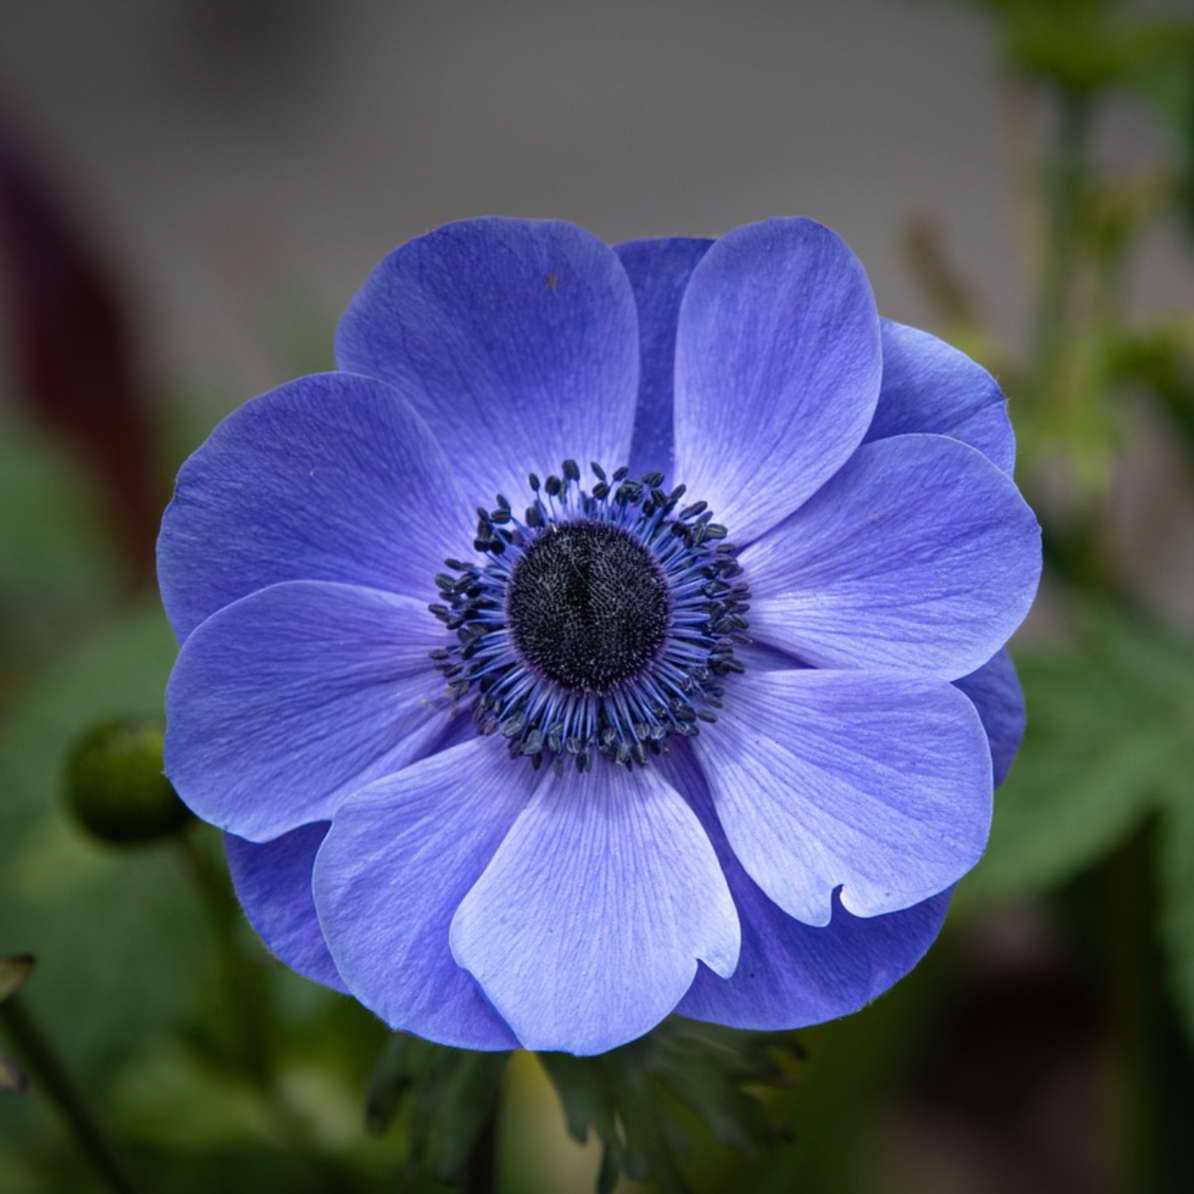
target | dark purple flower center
[
  {"x": 588, "y": 606},
  {"x": 601, "y": 623}
]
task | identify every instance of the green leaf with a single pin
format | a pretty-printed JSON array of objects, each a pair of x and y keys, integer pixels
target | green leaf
[
  {"x": 1107, "y": 727},
  {"x": 629, "y": 1097},
  {"x": 450, "y": 1095},
  {"x": 1176, "y": 885}
]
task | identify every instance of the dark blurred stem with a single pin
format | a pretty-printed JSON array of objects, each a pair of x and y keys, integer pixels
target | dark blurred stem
[
  {"x": 1071, "y": 299},
  {"x": 1128, "y": 895},
  {"x": 241, "y": 978},
  {"x": 1062, "y": 240},
  {"x": 1078, "y": 550},
  {"x": 50, "y": 1076},
  {"x": 480, "y": 1172}
]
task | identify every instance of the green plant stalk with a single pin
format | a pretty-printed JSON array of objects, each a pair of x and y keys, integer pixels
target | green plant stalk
[
  {"x": 50, "y": 1075},
  {"x": 1076, "y": 305},
  {"x": 1079, "y": 297},
  {"x": 243, "y": 981},
  {"x": 252, "y": 1014},
  {"x": 1068, "y": 171},
  {"x": 481, "y": 1170},
  {"x": 1126, "y": 880},
  {"x": 1079, "y": 549}
]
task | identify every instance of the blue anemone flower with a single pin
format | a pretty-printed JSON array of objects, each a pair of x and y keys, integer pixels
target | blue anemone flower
[{"x": 617, "y": 631}]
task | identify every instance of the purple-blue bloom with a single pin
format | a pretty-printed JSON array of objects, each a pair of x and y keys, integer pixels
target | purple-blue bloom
[{"x": 615, "y": 632}]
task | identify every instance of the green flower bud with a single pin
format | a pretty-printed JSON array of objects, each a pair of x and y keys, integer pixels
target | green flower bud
[{"x": 115, "y": 785}]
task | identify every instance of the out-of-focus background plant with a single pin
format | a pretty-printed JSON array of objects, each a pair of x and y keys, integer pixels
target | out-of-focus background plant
[{"x": 1048, "y": 1041}]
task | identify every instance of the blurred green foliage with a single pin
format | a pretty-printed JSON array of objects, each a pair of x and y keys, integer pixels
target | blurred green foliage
[
  {"x": 619, "y": 1095},
  {"x": 1070, "y": 954}
]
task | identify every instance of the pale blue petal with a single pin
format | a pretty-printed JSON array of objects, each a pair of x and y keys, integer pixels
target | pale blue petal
[
  {"x": 875, "y": 783},
  {"x": 273, "y": 884},
  {"x": 918, "y": 555},
  {"x": 586, "y": 928},
  {"x": 777, "y": 371},
  {"x": 332, "y": 477},
  {"x": 931, "y": 388},
  {"x": 791, "y": 974},
  {"x": 995, "y": 690},
  {"x": 516, "y": 340},
  {"x": 401, "y": 855},
  {"x": 283, "y": 703}
]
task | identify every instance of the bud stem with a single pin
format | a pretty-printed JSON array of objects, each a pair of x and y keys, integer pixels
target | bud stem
[{"x": 41, "y": 1060}]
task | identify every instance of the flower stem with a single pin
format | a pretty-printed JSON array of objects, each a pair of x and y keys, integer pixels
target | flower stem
[
  {"x": 481, "y": 1171},
  {"x": 50, "y": 1075},
  {"x": 1066, "y": 184},
  {"x": 1133, "y": 1034},
  {"x": 242, "y": 980}
]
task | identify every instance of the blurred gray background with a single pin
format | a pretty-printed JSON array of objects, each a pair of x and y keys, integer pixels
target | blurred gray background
[{"x": 242, "y": 164}]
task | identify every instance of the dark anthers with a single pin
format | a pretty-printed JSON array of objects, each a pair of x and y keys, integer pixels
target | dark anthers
[{"x": 601, "y": 623}]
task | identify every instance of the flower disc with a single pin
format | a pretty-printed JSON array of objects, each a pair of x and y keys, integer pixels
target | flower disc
[{"x": 588, "y": 606}]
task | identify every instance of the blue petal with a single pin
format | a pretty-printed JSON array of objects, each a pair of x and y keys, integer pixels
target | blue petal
[
  {"x": 919, "y": 554},
  {"x": 586, "y": 928},
  {"x": 516, "y": 340},
  {"x": 929, "y": 387},
  {"x": 332, "y": 477},
  {"x": 790, "y": 974},
  {"x": 995, "y": 691},
  {"x": 400, "y": 857},
  {"x": 273, "y": 884},
  {"x": 876, "y": 783},
  {"x": 283, "y": 703},
  {"x": 777, "y": 371},
  {"x": 659, "y": 271}
]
